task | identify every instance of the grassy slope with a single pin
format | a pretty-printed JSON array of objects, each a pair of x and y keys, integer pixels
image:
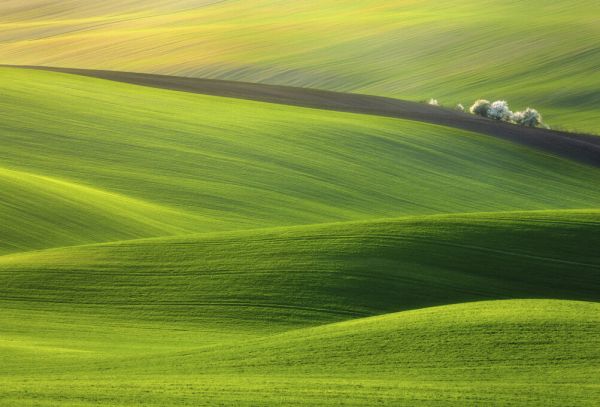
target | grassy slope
[
  {"x": 455, "y": 52},
  {"x": 258, "y": 317},
  {"x": 519, "y": 352},
  {"x": 335, "y": 271},
  {"x": 37, "y": 212},
  {"x": 267, "y": 165},
  {"x": 181, "y": 320}
]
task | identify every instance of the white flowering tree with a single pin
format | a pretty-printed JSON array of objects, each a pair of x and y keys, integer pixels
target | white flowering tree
[
  {"x": 460, "y": 107},
  {"x": 499, "y": 110},
  {"x": 433, "y": 102},
  {"x": 529, "y": 118},
  {"x": 481, "y": 107}
]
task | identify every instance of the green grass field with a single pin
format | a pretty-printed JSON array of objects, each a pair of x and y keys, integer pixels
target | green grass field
[
  {"x": 311, "y": 315},
  {"x": 543, "y": 53},
  {"x": 170, "y": 162},
  {"x": 164, "y": 248}
]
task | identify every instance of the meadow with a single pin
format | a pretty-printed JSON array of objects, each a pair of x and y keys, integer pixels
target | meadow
[{"x": 168, "y": 248}]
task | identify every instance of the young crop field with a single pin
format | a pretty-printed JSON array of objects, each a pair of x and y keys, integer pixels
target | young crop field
[
  {"x": 181, "y": 240},
  {"x": 544, "y": 53}
]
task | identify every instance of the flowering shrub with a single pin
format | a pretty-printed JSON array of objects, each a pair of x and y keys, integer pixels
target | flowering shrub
[
  {"x": 481, "y": 107},
  {"x": 499, "y": 110},
  {"x": 529, "y": 118}
]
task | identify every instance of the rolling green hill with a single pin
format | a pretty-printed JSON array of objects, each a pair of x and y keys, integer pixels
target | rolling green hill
[
  {"x": 37, "y": 211},
  {"x": 336, "y": 271},
  {"x": 186, "y": 163},
  {"x": 521, "y": 352},
  {"x": 166, "y": 248},
  {"x": 206, "y": 309},
  {"x": 543, "y": 53}
]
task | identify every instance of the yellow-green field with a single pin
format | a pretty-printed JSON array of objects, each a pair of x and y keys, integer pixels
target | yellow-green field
[{"x": 541, "y": 53}]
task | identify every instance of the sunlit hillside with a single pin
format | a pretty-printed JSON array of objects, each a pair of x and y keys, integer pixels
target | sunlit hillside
[{"x": 543, "y": 53}]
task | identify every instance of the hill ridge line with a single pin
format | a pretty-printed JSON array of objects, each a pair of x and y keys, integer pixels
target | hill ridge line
[
  {"x": 291, "y": 228},
  {"x": 32, "y": 220},
  {"x": 583, "y": 148},
  {"x": 307, "y": 333},
  {"x": 99, "y": 190}
]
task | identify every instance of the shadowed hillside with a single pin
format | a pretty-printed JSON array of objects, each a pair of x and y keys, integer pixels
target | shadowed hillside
[{"x": 335, "y": 271}]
